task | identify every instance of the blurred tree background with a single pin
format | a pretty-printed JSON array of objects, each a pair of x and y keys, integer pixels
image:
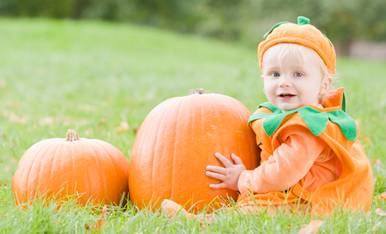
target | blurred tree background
[{"x": 344, "y": 21}]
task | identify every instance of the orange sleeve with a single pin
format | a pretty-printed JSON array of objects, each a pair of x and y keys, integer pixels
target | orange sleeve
[{"x": 289, "y": 163}]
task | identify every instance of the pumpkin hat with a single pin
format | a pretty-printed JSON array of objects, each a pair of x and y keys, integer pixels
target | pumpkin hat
[{"x": 302, "y": 33}]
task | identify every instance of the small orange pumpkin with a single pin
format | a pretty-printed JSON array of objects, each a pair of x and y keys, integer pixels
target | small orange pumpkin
[
  {"x": 88, "y": 169},
  {"x": 177, "y": 141}
]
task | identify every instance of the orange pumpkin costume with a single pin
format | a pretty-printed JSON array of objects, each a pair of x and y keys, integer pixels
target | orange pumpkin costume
[
  {"x": 325, "y": 167},
  {"x": 325, "y": 171}
]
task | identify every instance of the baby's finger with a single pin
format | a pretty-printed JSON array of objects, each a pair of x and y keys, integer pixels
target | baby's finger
[
  {"x": 215, "y": 175},
  {"x": 217, "y": 186},
  {"x": 236, "y": 159},
  {"x": 217, "y": 169},
  {"x": 226, "y": 162}
]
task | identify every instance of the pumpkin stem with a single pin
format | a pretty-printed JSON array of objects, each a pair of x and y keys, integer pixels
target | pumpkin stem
[
  {"x": 197, "y": 91},
  {"x": 72, "y": 135}
]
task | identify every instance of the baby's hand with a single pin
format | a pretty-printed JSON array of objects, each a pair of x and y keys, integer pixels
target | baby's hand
[{"x": 229, "y": 175}]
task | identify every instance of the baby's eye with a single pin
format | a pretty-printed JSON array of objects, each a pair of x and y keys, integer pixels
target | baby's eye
[
  {"x": 275, "y": 74},
  {"x": 298, "y": 74}
]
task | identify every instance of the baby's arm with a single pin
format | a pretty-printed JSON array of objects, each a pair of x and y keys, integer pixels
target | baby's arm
[{"x": 289, "y": 163}]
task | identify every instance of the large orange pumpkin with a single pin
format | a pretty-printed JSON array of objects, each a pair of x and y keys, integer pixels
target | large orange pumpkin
[
  {"x": 88, "y": 169},
  {"x": 177, "y": 141}
]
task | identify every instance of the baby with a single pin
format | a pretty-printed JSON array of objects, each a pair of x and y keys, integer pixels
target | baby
[{"x": 310, "y": 153}]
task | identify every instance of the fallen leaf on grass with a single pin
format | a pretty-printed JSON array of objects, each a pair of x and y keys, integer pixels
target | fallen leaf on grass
[
  {"x": 87, "y": 108},
  {"x": 14, "y": 118},
  {"x": 3, "y": 183},
  {"x": 380, "y": 212},
  {"x": 47, "y": 121},
  {"x": 65, "y": 121},
  {"x": 100, "y": 221},
  {"x": 383, "y": 196},
  {"x": 102, "y": 121},
  {"x": 311, "y": 228},
  {"x": 88, "y": 226},
  {"x": 122, "y": 128},
  {"x": 377, "y": 162},
  {"x": 171, "y": 208},
  {"x": 2, "y": 84},
  {"x": 88, "y": 132},
  {"x": 367, "y": 141}
]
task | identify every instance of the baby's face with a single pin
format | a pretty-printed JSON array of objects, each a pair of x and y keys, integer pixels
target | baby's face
[{"x": 291, "y": 79}]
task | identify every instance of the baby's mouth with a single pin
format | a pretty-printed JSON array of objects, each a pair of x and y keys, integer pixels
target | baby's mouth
[{"x": 286, "y": 95}]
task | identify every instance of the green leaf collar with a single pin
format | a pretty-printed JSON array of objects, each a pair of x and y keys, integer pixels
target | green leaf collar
[{"x": 313, "y": 118}]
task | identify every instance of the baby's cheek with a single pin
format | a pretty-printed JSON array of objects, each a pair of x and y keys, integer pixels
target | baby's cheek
[
  {"x": 271, "y": 98},
  {"x": 310, "y": 98},
  {"x": 269, "y": 91}
]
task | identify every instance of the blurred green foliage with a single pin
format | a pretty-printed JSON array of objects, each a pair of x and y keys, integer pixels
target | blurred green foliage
[{"x": 342, "y": 20}]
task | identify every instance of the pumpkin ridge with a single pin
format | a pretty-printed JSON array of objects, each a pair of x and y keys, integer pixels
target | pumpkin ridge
[
  {"x": 210, "y": 97},
  {"x": 201, "y": 126},
  {"x": 112, "y": 162},
  {"x": 71, "y": 152},
  {"x": 216, "y": 114},
  {"x": 103, "y": 163},
  {"x": 237, "y": 115},
  {"x": 136, "y": 145},
  {"x": 89, "y": 178},
  {"x": 175, "y": 134},
  {"x": 40, "y": 167},
  {"x": 111, "y": 158},
  {"x": 102, "y": 177},
  {"x": 31, "y": 168},
  {"x": 52, "y": 161},
  {"x": 155, "y": 146},
  {"x": 25, "y": 182}
]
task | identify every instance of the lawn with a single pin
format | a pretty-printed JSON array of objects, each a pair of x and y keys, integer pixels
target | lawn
[{"x": 102, "y": 79}]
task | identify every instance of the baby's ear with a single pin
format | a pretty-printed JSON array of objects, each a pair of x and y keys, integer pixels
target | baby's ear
[{"x": 325, "y": 86}]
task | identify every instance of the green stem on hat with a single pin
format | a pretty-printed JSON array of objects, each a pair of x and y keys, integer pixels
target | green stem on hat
[
  {"x": 273, "y": 27},
  {"x": 302, "y": 20}
]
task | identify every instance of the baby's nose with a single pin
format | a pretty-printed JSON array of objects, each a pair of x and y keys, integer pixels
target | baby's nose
[{"x": 283, "y": 83}]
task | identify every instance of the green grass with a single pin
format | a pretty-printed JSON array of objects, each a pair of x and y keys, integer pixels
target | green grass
[{"x": 91, "y": 76}]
